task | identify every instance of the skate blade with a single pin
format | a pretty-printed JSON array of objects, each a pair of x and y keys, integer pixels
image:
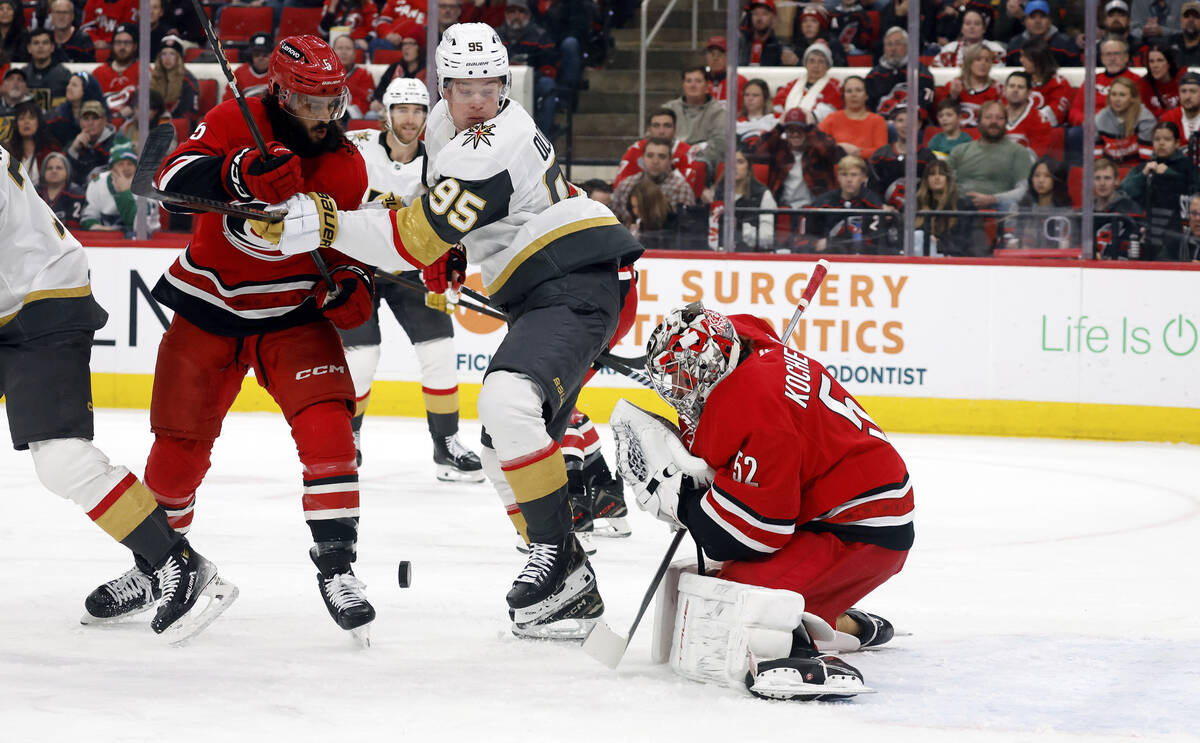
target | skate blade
[
  {"x": 576, "y": 584},
  {"x": 614, "y": 528},
  {"x": 362, "y": 635},
  {"x": 792, "y": 688},
  {"x": 564, "y": 630},
  {"x": 220, "y": 595},
  {"x": 605, "y": 645},
  {"x": 452, "y": 474}
]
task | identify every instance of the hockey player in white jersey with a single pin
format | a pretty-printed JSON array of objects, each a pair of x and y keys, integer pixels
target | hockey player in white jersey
[
  {"x": 549, "y": 257},
  {"x": 48, "y": 318},
  {"x": 395, "y": 158}
]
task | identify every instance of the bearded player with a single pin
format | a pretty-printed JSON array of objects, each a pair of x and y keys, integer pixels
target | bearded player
[
  {"x": 395, "y": 159},
  {"x": 241, "y": 305},
  {"x": 805, "y": 500},
  {"x": 550, "y": 259}
]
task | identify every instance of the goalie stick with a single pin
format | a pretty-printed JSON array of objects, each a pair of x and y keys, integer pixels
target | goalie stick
[
  {"x": 602, "y": 643},
  {"x": 607, "y": 646}
]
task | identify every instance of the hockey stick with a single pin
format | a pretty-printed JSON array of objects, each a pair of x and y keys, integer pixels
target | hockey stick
[
  {"x": 618, "y": 364},
  {"x": 215, "y": 44},
  {"x": 810, "y": 291},
  {"x": 607, "y": 646}
]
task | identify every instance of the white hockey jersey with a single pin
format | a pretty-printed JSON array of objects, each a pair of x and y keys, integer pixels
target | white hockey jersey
[
  {"x": 496, "y": 188},
  {"x": 39, "y": 258},
  {"x": 406, "y": 180}
]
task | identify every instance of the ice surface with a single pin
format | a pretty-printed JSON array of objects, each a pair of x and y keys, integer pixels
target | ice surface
[{"x": 1052, "y": 595}]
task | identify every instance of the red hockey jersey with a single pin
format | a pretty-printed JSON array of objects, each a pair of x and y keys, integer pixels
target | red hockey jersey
[
  {"x": 631, "y": 161},
  {"x": 1055, "y": 95},
  {"x": 230, "y": 281},
  {"x": 101, "y": 17},
  {"x": 1031, "y": 129},
  {"x": 792, "y": 451},
  {"x": 969, "y": 101}
]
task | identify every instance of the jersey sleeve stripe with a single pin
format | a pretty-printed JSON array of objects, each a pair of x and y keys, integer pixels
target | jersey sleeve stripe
[
  {"x": 898, "y": 491},
  {"x": 723, "y": 520},
  {"x": 423, "y": 246},
  {"x": 780, "y": 526},
  {"x": 542, "y": 242}
]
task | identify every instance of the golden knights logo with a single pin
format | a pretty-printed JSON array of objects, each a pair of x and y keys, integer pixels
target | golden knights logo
[{"x": 479, "y": 133}]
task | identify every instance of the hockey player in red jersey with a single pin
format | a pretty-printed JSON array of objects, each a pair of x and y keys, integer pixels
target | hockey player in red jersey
[
  {"x": 804, "y": 494},
  {"x": 240, "y": 305}
]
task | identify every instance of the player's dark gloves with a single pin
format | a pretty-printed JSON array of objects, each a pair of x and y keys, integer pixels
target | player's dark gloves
[
  {"x": 271, "y": 179},
  {"x": 354, "y": 301},
  {"x": 446, "y": 272}
]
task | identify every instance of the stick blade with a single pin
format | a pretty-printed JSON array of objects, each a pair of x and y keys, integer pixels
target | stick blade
[
  {"x": 156, "y": 149},
  {"x": 605, "y": 645}
]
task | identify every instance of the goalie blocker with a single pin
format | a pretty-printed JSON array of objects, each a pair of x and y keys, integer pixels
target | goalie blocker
[{"x": 778, "y": 471}]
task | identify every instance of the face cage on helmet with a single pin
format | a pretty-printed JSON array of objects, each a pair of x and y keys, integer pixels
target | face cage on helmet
[
  {"x": 680, "y": 382},
  {"x": 315, "y": 107}
]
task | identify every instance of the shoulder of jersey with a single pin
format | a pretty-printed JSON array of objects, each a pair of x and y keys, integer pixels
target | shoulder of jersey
[
  {"x": 362, "y": 136},
  {"x": 485, "y": 149}
]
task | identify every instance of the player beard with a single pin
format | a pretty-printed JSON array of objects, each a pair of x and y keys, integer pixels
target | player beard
[{"x": 294, "y": 133}]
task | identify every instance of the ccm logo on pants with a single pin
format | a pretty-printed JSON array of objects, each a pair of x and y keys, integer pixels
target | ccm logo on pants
[{"x": 317, "y": 371}]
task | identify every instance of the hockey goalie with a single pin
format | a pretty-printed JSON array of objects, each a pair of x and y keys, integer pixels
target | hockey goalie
[{"x": 782, "y": 477}]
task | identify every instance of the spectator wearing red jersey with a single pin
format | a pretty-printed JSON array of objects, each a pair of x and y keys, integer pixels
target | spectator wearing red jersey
[
  {"x": 1039, "y": 26},
  {"x": 716, "y": 59},
  {"x": 1114, "y": 55},
  {"x": 820, "y": 94},
  {"x": 1125, "y": 126},
  {"x": 756, "y": 117},
  {"x": 856, "y": 129},
  {"x": 102, "y": 17},
  {"x": 1159, "y": 87},
  {"x": 759, "y": 44},
  {"x": 358, "y": 81},
  {"x": 1050, "y": 90},
  {"x": 801, "y": 160},
  {"x": 490, "y": 12},
  {"x": 660, "y": 124},
  {"x": 253, "y": 78},
  {"x": 1186, "y": 117},
  {"x": 973, "y": 27},
  {"x": 974, "y": 86},
  {"x": 812, "y": 25},
  {"x": 178, "y": 87},
  {"x": 402, "y": 18},
  {"x": 1026, "y": 125},
  {"x": 119, "y": 75},
  {"x": 356, "y": 15}
]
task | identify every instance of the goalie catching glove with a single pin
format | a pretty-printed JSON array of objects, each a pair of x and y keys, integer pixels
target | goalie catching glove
[
  {"x": 447, "y": 272},
  {"x": 653, "y": 460},
  {"x": 353, "y": 302}
]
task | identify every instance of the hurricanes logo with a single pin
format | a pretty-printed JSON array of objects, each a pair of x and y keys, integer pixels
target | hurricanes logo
[{"x": 479, "y": 133}]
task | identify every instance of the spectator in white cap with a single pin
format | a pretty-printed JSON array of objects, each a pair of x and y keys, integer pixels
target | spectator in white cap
[{"x": 818, "y": 93}]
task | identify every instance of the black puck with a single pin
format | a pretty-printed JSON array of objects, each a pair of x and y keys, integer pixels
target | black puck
[{"x": 404, "y": 574}]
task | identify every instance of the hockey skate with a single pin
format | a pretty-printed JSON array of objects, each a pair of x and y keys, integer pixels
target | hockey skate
[
  {"x": 608, "y": 504},
  {"x": 342, "y": 591},
  {"x": 807, "y": 677},
  {"x": 455, "y": 462},
  {"x": 190, "y": 595},
  {"x": 555, "y": 597},
  {"x": 873, "y": 631},
  {"x": 582, "y": 522},
  {"x": 119, "y": 598}
]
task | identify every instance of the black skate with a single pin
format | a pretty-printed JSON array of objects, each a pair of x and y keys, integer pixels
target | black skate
[
  {"x": 342, "y": 591},
  {"x": 555, "y": 596},
  {"x": 873, "y": 630},
  {"x": 455, "y": 462},
  {"x": 120, "y": 597},
  {"x": 582, "y": 522},
  {"x": 190, "y": 594},
  {"x": 608, "y": 504},
  {"x": 807, "y": 677}
]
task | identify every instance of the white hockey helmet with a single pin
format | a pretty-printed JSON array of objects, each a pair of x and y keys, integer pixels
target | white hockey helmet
[
  {"x": 405, "y": 90},
  {"x": 472, "y": 51},
  {"x": 690, "y": 351}
]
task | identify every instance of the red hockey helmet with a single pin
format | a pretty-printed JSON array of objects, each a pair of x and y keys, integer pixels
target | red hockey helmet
[
  {"x": 690, "y": 351},
  {"x": 308, "y": 78}
]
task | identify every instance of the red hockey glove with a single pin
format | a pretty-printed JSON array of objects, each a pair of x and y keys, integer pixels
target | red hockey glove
[
  {"x": 275, "y": 178},
  {"x": 354, "y": 301},
  {"x": 446, "y": 272}
]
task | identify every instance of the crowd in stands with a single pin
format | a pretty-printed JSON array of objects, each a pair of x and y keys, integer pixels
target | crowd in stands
[{"x": 1000, "y": 150}]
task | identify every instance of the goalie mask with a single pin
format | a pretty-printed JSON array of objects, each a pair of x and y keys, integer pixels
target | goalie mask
[{"x": 690, "y": 351}]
